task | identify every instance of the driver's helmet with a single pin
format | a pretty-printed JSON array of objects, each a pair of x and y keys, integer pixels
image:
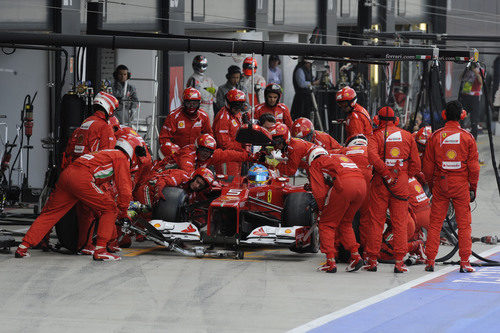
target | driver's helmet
[{"x": 258, "y": 175}]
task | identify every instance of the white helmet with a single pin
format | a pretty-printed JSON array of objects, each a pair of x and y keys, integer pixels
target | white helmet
[
  {"x": 107, "y": 101},
  {"x": 357, "y": 140},
  {"x": 315, "y": 153}
]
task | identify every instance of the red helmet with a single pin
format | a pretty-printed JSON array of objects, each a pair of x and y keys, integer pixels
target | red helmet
[
  {"x": 302, "y": 128},
  {"x": 168, "y": 150},
  {"x": 386, "y": 113},
  {"x": 133, "y": 147},
  {"x": 114, "y": 123},
  {"x": 281, "y": 131},
  {"x": 191, "y": 95},
  {"x": 235, "y": 99},
  {"x": 249, "y": 64},
  {"x": 107, "y": 101},
  {"x": 423, "y": 135},
  {"x": 347, "y": 94},
  {"x": 205, "y": 174},
  {"x": 273, "y": 88},
  {"x": 205, "y": 141}
]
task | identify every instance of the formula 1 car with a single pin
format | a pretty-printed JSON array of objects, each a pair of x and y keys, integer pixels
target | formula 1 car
[{"x": 272, "y": 213}]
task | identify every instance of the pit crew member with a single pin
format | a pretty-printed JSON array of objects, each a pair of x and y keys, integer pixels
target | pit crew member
[
  {"x": 394, "y": 156},
  {"x": 339, "y": 189},
  {"x": 303, "y": 128},
  {"x": 451, "y": 168},
  {"x": 358, "y": 120},
  {"x": 272, "y": 105},
  {"x": 80, "y": 182},
  {"x": 226, "y": 124},
  {"x": 183, "y": 125}
]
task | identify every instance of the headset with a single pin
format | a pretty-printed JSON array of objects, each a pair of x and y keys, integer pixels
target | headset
[
  {"x": 120, "y": 68},
  {"x": 377, "y": 119},
  {"x": 463, "y": 114}
]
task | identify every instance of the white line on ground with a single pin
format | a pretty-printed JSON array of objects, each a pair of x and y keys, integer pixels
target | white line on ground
[{"x": 380, "y": 297}]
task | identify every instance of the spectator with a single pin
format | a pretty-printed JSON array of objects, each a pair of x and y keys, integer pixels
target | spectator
[
  {"x": 204, "y": 84},
  {"x": 274, "y": 72},
  {"x": 302, "y": 83},
  {"x": 233, "y": 77},
  {"x": 255, "y": 93},
  {"x": 471, "y": 95},
  {"x": 126, "y": 95}
]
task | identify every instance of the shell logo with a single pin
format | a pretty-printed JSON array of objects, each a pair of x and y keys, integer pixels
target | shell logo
[
  {"x": 418, "y": 188},
  {"x": 234, "y": 123},
  {"x": 451, "y": 154},
  {"x": 288, "y": 231},
  {"x": 344, "y": 159},
  {"x": 157, "y": 225},
  {"x": 356, "y": 148},
  {"x": 394, "y": 152},
  {"x": 182, "y": 124}
]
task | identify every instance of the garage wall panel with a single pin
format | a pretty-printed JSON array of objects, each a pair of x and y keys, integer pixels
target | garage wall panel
[{"x": 31, "y": 75}]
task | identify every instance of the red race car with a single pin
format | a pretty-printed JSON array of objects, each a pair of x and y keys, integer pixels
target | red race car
[{"x": 258, "y": 209}]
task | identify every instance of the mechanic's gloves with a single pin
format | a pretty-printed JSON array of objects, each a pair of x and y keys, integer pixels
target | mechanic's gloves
[
  {"x": 138, "y": 207},
  {"x": 258, "y": 157},
  {"x": 307, "y": 187},
  {"x": 420, "y": 177},
  {"x": 390, "y": 180},
  {"x": 123, "y": 213},
  {"x": 472, "y": 195},
  {"x": 245, "y": 118},
  {"x": 158, "y": 190},
  {"x": 272, "y": 162},
  {"x": 211, "y": 90}
]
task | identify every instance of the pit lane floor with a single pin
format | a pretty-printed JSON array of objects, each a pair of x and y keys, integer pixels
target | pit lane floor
[{"x": 152, "y": 290}]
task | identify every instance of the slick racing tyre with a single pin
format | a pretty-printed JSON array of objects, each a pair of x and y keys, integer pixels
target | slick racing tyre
[
  {"x": 67, "y": 231},
  {"x": 172, "y": 207},
  {"x": 297, "y": 210}
]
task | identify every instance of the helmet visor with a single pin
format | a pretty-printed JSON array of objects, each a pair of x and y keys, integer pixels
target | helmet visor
[
  {"x": 237, "y": 106},
  {"x": 257, "y": 178}
]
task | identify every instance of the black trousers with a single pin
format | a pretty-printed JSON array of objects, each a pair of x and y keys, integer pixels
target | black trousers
[{"x": 473, "y": 107}]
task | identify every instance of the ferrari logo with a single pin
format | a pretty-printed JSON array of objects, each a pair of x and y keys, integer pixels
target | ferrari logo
[
  {"x": 451, "y": 154},
  {"x": 181, "y": 124},
  {"x": 444, "y": 135},
  {"x": 418, "y": 188},
  {"x": 395, "y": 152},
  {"x": 269, "y": 196}
]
